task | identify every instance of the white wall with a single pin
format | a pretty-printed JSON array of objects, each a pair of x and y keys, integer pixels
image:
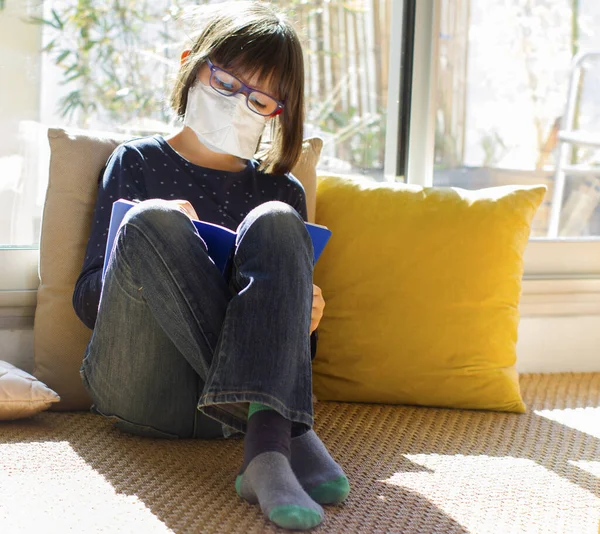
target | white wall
[
  {"x": 16, "y": 347},
  {"x": 546, "y": 344},
  {"x": 559, "y": 344}
]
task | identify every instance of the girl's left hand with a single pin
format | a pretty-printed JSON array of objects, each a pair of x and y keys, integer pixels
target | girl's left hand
[{"x": 317, "y": 308}]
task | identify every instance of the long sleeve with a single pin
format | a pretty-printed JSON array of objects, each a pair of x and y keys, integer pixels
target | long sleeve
[{"x": 122, "y": 178}]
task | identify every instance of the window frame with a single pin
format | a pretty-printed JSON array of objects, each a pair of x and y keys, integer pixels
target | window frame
[
  {"x": 409, "y": 152},
  {"x": 19, "y": 279},
  {"x": 399, "y": 89},
  {"x": 563, "y": 258}
]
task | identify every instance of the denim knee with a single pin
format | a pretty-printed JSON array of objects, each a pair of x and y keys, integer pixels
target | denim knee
[
  {"x": 276, "y": 223},
  {"x": 155, "y": 214},
  {"x": 155, "y": 219}
]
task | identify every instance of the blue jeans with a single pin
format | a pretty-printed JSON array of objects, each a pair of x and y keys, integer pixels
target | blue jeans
[{"x": 178, "y": 349}]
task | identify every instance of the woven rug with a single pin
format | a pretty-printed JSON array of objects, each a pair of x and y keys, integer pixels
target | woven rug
[{"x": 412, "y": 469}]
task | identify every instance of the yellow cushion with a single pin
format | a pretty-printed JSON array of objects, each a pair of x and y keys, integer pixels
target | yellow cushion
[{"x": 422, "y": 289}]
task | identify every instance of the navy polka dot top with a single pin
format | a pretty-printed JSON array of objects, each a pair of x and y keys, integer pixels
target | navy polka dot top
[{"x": 150, "y": 168}]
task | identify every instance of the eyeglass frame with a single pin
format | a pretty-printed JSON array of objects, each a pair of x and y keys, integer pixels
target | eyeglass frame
[{"x": 245, "y": 90}]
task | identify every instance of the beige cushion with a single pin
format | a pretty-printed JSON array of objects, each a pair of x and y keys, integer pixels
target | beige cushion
[
  {"x": 76, "y": 160},
  {"x": 306, "y": 171},
  {"x": 21, "y": 395}
]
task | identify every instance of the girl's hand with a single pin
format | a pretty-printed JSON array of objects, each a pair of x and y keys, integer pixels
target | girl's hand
[
  {"x": 317, "y": 308},
  {"x": 185, "y": 207}
]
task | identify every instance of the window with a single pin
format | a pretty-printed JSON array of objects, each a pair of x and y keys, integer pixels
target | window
[
  {"x": 107, "y": 65},
  {"x": 488, "y": 102},
  {"x": 504, "y": 113},
  {"x": 439, "y": 136},
  {"x": 21, "y": 192},
  {"x": 347, "y": 48}
]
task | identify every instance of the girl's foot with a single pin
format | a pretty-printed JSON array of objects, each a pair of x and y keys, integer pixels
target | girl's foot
[
  {"x": 267, "y": 477},
  {"x": 269, "y": 481},
  {"x": 321, "y": 477}
]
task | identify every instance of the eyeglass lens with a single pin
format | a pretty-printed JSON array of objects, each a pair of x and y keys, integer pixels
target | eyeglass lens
[{"x": 227, "y": 85}]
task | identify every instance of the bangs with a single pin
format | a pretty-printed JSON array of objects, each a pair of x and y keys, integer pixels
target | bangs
[{"x": 269, "y": 55}]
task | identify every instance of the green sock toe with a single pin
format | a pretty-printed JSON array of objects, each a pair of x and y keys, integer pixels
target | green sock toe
[
  {"x": 269, "y": 481},
  {"x": 331, "y": 492},
  {"x": 291, "y": 516},
  {"x": 238, "y": 485}
]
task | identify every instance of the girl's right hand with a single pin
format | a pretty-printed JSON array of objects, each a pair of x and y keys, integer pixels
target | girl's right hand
[{"x": 185, "y": 207}]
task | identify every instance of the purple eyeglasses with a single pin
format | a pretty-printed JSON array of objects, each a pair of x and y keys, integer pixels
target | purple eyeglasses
[{"x": 228, "y": 85}]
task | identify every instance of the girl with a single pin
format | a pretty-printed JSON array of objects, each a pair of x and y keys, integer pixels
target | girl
[{"x": 177, "y": 349}]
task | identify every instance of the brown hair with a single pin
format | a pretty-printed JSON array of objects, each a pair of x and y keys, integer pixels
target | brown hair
[{"x": 253, "y": 38}]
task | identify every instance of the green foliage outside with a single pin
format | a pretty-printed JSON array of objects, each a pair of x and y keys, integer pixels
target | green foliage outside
[{"x": 118, "y": 58}]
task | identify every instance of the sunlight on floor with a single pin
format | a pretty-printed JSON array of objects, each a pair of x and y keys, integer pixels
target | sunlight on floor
[
  {"x": 593, "y": 468},
  {"x": 583, "y": 419},
  {"x": 501, "y": 494},
  {"x": 48, "y": 485}
]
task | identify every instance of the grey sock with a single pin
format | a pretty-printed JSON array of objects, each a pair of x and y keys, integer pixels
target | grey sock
[
  {"x": 269, "y": 481},
  {"x": 321, "y": 477}
]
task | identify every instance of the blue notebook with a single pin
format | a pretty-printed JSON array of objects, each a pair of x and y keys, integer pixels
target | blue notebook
[{"x": 219, "y": 240}]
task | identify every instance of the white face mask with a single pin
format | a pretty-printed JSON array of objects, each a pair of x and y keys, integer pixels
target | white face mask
[{"x": 223, "y": 124}]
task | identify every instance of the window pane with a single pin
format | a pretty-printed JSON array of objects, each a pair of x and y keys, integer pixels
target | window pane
[
  {"x": 504, "y": 73},
  {"x": 21, "y": 141},
  {"x": 108, "y": 65},
  {"x": 347, "y": 48}
]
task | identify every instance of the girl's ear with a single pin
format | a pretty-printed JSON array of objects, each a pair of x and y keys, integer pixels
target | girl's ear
[{"x": 184, "y": 56}]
